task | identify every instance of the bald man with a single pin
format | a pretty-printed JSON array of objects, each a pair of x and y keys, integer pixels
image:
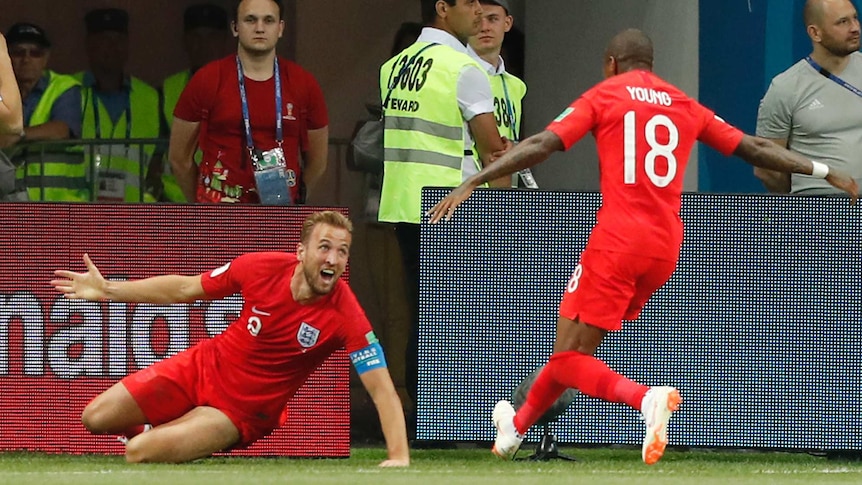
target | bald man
[
  {"x": 815, "y": 107},
  {"x": 645, "y": 129}
]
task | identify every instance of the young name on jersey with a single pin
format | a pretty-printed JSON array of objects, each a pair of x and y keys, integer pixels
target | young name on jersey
[{"x": 650, "y": 95}]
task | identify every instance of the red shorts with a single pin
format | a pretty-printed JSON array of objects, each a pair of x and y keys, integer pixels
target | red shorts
[
  {"x": 608, "y": 287},
  {"x": 172, "y": 387}
]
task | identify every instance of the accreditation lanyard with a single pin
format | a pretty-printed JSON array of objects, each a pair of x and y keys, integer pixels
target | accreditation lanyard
[
  {"x": 244, "y": 98},
  {"x": 127, "y": 113},
  {"x": 511, "y": 111},
  {"x": 833, "y": 77}
]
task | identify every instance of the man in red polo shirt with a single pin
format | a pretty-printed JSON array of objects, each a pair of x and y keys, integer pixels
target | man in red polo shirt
[
  {"x": 644, "y": 129},
  {"x": 247, "y": 108}
]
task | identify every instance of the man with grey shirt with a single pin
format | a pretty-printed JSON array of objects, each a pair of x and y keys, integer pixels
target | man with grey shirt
[{"x": 815, "y": 107}]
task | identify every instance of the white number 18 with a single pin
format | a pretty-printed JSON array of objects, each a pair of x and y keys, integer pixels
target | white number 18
[{"x": 656, "y": 149}]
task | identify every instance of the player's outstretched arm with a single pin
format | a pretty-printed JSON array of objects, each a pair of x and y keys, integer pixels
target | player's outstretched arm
[
  {"x": 379, "y": 385},
  {"x": 159, "y": 289},
  {"x": 763, "y": 153},
  {"x": 533, "y": 150},
  {"x": 773, "y": 181}
]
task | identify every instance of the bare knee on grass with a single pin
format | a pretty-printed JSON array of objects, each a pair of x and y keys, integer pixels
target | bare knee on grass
[
  {"x": 113, "y": 411},
  {"x": 97, "y": 417},
  {"x": 197, "y": 434},
  {"x": 150, "y": 448}
]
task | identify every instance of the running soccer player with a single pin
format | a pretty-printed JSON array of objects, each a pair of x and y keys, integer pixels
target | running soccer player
[
  {"x": 230, "y": 390},
  {"x": 644, "y": 129}
]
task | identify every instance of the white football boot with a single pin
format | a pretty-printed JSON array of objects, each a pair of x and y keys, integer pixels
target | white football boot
[
  {"x": 125, "y": 439},
  {"x": 657, "y": 406},
  {"x": 508, "y": 440}
]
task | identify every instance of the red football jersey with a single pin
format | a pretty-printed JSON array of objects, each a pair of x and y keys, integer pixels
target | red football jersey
[
  {"x": 212, "y": 98},
  {"x": 645, "y": 129},
  {"x": 276, "y": 343}
]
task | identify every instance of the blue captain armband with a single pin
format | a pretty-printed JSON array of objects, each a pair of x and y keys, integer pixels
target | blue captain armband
[{"x": 368, "y": 358}]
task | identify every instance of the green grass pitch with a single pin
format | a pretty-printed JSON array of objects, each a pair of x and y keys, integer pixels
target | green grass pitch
[{"x": 473, "y": 466}]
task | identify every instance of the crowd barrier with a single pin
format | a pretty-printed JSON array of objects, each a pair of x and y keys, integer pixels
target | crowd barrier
[{"x": 94, "y": 156}]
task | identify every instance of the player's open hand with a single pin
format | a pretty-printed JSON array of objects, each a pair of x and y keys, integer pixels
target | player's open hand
[
  {"x": 446, "y": 207},
  {"x": 842, "y": 181},
  {"x": 394, "y": 463},
  {"x": 81, "y": 286}
]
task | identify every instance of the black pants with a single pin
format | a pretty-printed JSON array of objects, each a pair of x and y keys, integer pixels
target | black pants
[{"x": 408, "y": 242}]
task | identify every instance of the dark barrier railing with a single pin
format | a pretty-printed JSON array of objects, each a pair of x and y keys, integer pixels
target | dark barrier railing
[
  {"x": 94, "y": 154},
  {"x": 90, "y": 153}
]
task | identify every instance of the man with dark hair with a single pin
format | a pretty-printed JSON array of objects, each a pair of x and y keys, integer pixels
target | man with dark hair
[
  {"x": 205, "y": 34},
  {"x": 260, "y": 120},
  {"x": 231, "y": 390},
  {"x": 52, "y": 111},
  {"x": 815, "y": 107},
  {"x": 205, "y": 39},
  {"x": 437, "y": 101},
  {"x": 236, "y": 4},
  {"x": 645, "y": 129},
  {"x": 117, "y": 106},
  {"x": 406, "y": 34}
]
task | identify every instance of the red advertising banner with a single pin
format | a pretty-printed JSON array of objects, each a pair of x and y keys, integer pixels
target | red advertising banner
[{"x": 57, "y": 354}]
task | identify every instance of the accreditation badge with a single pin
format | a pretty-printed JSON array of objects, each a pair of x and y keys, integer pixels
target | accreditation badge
[
  {"x": 271, "y": 176},
  {"x": 112, "y": 186}
]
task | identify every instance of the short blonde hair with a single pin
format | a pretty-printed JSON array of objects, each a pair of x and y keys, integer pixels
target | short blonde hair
[{"x": 332, "y": 218}]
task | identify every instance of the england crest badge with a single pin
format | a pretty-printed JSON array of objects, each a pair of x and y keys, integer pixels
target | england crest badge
[{"x": 307, "y": 335}]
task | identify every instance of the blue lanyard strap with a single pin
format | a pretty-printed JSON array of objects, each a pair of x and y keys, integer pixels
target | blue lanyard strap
[
  {"x": 279, "y": 136},
  {"x": 509, "y": 109},
  {"x": 833, "y": 77}
]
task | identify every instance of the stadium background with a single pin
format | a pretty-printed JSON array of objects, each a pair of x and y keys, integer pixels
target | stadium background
[{"x": 725, "y": 51}]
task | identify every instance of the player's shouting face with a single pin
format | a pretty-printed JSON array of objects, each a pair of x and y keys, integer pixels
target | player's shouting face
[{"x": 325, "y": 256}]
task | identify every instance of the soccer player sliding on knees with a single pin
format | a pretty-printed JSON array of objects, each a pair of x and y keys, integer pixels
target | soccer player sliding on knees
[
  {"x": 230, "y": 391},
  {"x": 645, "y": 129}
]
